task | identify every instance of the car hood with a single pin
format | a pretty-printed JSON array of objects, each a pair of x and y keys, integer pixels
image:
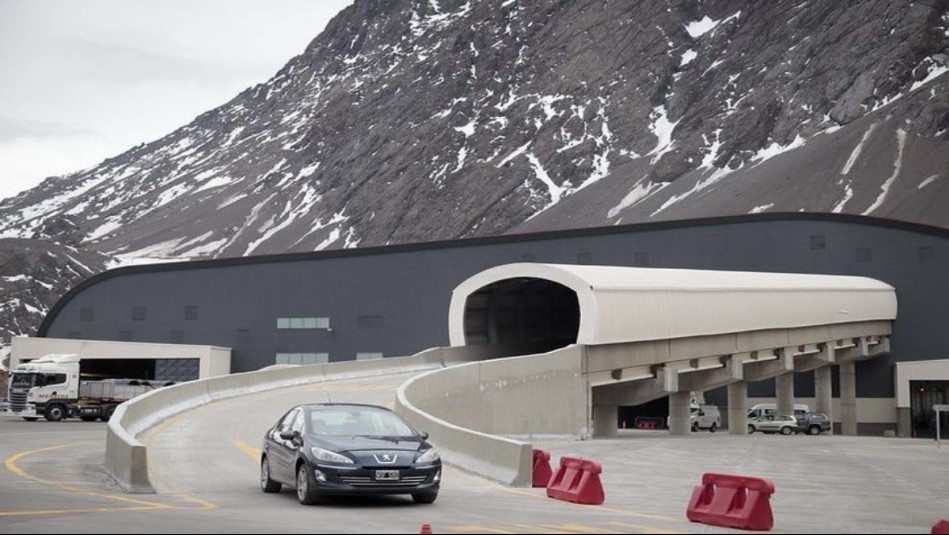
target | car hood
[{"x": 357, "y": 443}]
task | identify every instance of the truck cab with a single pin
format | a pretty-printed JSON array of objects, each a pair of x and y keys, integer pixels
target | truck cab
[{"x": 44, "y": 387}]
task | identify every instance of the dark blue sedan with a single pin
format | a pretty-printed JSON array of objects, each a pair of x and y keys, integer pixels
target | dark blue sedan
[{"x": 331, "y": 449}]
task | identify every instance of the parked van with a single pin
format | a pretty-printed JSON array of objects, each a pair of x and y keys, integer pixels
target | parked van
[
  {"x": 764, "y": 409},
  {"x": 703, "y": 417},
  {"x": 706, "y": 417}
]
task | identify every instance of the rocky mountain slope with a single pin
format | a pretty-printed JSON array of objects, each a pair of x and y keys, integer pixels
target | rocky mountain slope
[{"x": 414, "y": 120}]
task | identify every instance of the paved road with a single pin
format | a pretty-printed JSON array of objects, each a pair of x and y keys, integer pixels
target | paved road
[{"x": 204, "y": 466}]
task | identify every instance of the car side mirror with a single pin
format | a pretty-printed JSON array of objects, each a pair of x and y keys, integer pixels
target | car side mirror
[
  {"x": 288, "y": 435},
  {"x": 424, "y": 435}
]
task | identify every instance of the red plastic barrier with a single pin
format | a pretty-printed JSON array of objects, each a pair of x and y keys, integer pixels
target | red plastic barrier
[
  {"x": 542, "y": 471},
  {"x": 940, "y": 527},
  {"x": 732, "y": 501},
  {"x": 577, "y": 480}
]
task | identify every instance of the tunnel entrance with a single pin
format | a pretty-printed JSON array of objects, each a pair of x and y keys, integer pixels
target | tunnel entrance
[{"x": 523, "y": 310}]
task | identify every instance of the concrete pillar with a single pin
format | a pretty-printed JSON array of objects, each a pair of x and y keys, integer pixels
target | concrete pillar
[
  {"x": 904, "y": 423},
  {"x": 848, "y": 398},
  {"x": 680, "y": 421},
  {"x": 784, "y": 389},
  {"x": 823, "y": 392},
  {"x": 605, "y": 418},
  {"x": 738, "y": 408}
]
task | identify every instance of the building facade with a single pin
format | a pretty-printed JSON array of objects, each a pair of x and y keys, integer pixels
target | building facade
[{"x": 392, "y": 301}]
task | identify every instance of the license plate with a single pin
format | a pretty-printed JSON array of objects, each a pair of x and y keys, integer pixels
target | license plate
[{"x": 387, "y": 475}]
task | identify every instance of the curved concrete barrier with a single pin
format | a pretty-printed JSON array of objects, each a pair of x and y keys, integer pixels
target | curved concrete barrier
[
  {"x": 126, "y": 458},
  {"x": 466, "y": 409}
]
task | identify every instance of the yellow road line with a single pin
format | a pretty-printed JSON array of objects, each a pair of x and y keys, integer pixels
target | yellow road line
[
  {"x": 38, "y": 512},
  {"x": 645, "y": 529},
  {"x": 11, "y": 465},
  {"x": 534, "y": 529},
  {"x": 476, "y": 529},
  {"x": 585, "y": 506},
  {"x": 579, "y": 528},
  {"x": 250, "y": 451}
]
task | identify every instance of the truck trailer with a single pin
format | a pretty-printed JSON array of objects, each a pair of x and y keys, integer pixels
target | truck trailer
[{"x": 53, "y": 387}]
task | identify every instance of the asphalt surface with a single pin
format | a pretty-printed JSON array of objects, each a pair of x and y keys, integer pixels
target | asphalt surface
[{"x": 204, "y": 465}]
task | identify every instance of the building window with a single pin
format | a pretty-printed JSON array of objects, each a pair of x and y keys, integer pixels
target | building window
[
  {"x": 138, "y": 313},
  {"x": 584, "y": 258},
  {"x": 191, "y": 312},
  {"x": 368, "y": 356},
  {"x": 864, "y": 254},
  {"x": 75, "y": 335},
  {"x": 925, "y": 254},
  {"x": 302, "y": 358},
  {"x": 177, "y": 336},
  {"x": 87, "y": 314},
  {"x": 641, "y": 259},
  {"x": 303, "y": 323},
  {"x": 242, "y": 335},
  {"x": 818, "y": 242},
  {"x": 369, "y": 322},
  {"x": 125, "y": 336}
]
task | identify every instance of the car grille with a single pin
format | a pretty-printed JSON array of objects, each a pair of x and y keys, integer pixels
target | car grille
[
  {"x": 368, "y": 481},
  {"x": 17, "y": 401}
]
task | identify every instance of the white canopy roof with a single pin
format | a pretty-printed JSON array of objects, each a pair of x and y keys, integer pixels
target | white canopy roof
[{"x": 627, "y": 304}]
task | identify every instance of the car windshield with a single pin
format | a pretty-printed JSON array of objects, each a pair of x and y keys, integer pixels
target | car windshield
[
  {"x": 357, "y": 421},
  {"x": 23, "y": 380}
]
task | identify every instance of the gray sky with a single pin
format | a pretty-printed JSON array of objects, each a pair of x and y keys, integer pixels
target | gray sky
[{"x": 83, "y": 81}]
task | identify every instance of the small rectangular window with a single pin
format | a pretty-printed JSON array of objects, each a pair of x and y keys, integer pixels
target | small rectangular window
[
  {"x": 316, "y": 358},
  {"x": 242, "y": 335},
  {"x": 302, "y": 358},
  {"x": 75, "y": 335},
  {"x": 368, "y": 356},
  {"x": 864, "y": 254},
  {"x": 818, "y": 242},
  {"x": 177, "y": 336},
  {"x": 87, "y": 314},
  {"x": 138, "y": 313},
  {"x": 191, "y": 312},
  {"x": 125, "y": 336},
  {"x": 303, "y": 323}
]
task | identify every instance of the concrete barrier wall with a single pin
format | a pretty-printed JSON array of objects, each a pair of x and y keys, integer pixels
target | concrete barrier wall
[
  {"x": 465, "y": 407},
  {"x": 126, "y": 458}
]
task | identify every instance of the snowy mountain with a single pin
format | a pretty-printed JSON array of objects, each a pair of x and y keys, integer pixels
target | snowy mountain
[
  {"x": 414, "y": 120},
  {"x": 33, "y": 275}
]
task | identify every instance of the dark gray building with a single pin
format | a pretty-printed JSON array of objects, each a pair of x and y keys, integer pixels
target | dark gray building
[{"x": 392, "y": 301}]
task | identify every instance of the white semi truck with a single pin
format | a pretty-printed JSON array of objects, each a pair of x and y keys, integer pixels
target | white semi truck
[{"x": 53, "y": 387}]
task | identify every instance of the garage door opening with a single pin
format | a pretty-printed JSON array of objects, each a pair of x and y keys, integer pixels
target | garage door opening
[{"x": 522, "y": 310}]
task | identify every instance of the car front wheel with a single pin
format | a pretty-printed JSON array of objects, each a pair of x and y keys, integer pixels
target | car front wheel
[
  {"x": 813, "y": 430},
  {"x": 786, "y": 430},
  {"x": 306, "y": 488},
  {"x": 751, "y": 429},
  {"x": 266, "y": 484}
]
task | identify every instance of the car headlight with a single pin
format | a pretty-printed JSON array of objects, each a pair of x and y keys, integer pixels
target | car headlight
[
  {"x": 330, "y": 456},
  {"x": 429, "y": 456}
]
